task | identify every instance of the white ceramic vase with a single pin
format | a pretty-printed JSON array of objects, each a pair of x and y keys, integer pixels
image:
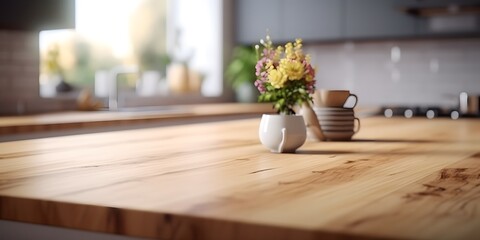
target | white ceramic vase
[{"x": 282, "y": 133}]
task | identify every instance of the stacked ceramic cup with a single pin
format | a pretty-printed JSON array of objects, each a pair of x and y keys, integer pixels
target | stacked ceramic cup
[{"x": 335, "y": 113}]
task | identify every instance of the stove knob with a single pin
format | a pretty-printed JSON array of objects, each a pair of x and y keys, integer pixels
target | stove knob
[
  {"x": 454, "y": 114},
  {"x": 388, "y": 113},
  {"x": 408, "y": 113},
  {"x": 431, "y": 114}
]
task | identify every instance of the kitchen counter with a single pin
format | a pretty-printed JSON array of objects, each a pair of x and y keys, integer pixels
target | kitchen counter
[
  {"x": 399, "y": 178},
  {"x": 93, "y": 119}
]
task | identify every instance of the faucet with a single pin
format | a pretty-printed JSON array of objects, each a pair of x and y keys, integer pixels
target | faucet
[{"x": 113, "y": 86}]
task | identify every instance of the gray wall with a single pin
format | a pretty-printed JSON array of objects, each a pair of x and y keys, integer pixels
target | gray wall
[{"x": 428, "y": 72}]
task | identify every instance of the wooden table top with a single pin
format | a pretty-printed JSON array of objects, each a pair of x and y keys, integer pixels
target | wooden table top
[{"x": 399, "y": 178}]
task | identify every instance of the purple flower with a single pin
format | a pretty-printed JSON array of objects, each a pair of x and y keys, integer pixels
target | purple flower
[{"x": 260, "y": 86}]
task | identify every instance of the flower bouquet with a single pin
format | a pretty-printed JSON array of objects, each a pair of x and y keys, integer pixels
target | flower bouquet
[{"x": 285, "y": 76}]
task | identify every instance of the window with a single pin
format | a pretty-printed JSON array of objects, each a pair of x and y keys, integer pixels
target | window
[{"x": 150, "y": 48}]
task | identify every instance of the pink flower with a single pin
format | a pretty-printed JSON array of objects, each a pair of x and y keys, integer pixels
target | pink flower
[
  {"x": 288, "y": 66},
  {"x": 260, "y": 86}
]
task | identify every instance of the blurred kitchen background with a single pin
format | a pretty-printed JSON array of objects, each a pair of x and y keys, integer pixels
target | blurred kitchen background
[{"x": 419, "y": 53}]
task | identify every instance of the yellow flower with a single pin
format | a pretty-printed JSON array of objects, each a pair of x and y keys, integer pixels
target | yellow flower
[
  {"x": 289, "y": 53},
  {"x": 298, "y": 42},
  {"x": 294, "y": 69},
  {"x": 278, "y": 54},
  {"x": 298, "y": 48},
  {"x": 276, "y": 77}
]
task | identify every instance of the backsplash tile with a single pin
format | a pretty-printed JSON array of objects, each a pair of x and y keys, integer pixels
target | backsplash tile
[
  {"x": 427, "y": 72},
  {"x": 19, "y": 72}
]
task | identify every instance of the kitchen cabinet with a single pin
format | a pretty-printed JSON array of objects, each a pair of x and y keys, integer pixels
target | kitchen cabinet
[
  {"x": 27, "y": 15},
  {"x": 390, "y": 18},
  {"x": 439, "y": 3},
  {"x": 466, "y": 25},
  {"x": 320, "y": 20},
  {"x": 444, "y": 24},
  {"x": 288, "y": 19},
  {"x": 378, "y": 19},
  {"x": 312, "y": 19},
  {"x": 254, "y": 18}
]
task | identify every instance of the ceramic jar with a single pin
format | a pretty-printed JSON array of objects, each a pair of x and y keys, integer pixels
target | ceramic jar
[
  {"x": 282, "y": 133},
  {"x": 177, "y": 77}
]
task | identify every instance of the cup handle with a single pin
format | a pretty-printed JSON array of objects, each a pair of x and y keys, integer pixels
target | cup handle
[
  {"x": 358, "y": 125},
  {"x": 356, "y": 99},
  {"x": 281, "y": 146}
]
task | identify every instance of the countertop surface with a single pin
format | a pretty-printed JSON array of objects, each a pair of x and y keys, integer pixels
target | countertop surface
[
  {"x": 398, "y": 178},
  {"x": 87, "y": 119}
]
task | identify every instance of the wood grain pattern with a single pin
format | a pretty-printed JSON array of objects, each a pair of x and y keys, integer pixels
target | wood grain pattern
[{"x": 398, "y": 179}]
